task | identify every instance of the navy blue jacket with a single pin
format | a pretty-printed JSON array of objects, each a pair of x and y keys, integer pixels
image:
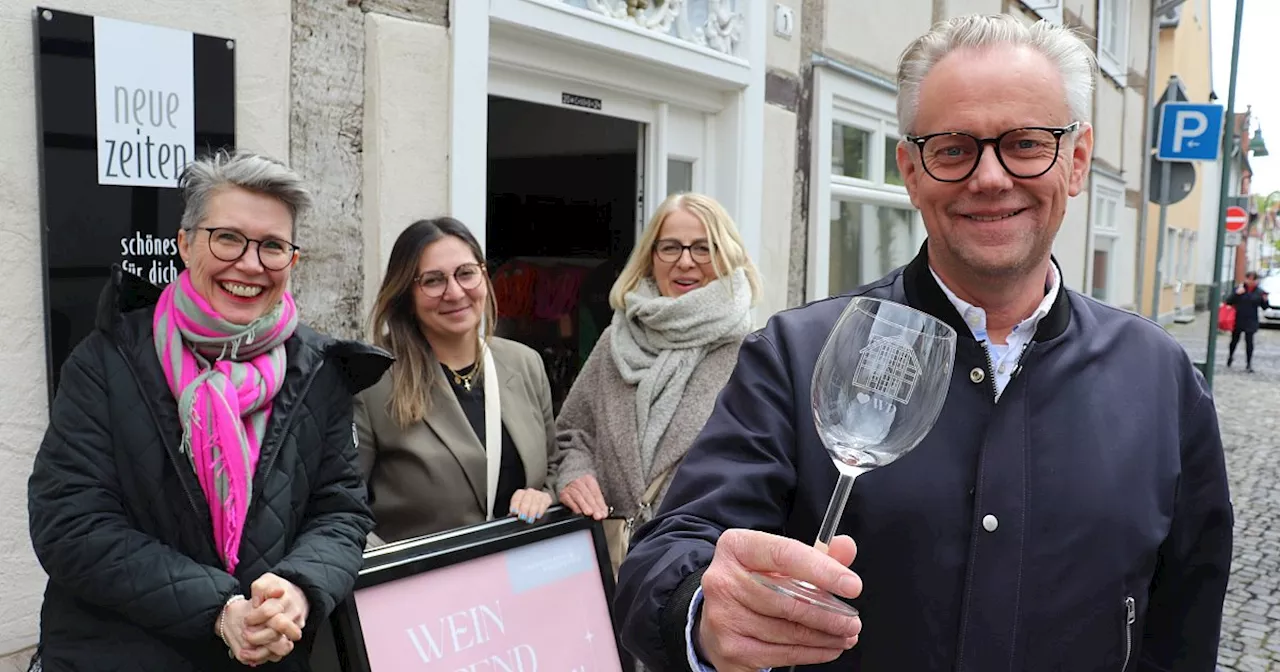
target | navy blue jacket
[{"x": 1102, "y": 462}]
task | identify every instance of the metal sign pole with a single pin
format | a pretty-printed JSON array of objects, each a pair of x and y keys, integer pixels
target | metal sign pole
[{"x": 1228, "y": 139}]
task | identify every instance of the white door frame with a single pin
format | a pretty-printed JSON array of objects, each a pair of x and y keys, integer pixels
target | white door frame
[{"x": 533, "y": 49}]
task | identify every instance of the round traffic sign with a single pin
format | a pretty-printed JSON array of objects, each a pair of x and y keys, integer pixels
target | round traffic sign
[{"x": 1237, "y": 219}]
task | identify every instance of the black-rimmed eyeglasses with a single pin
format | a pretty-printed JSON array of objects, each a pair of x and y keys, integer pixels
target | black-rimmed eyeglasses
[
  {"x": 1023, "y": 152},
  {"x": 669, "y": 250},
  {"x": 434, "y": 283},
  {"x": 229, "y": 245}
]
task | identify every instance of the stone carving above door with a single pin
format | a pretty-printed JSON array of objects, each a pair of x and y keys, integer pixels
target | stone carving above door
[{"x": 715, "y": 24}]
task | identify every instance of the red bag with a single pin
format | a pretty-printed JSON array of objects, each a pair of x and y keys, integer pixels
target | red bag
[{"x": 1226, "y": 317}]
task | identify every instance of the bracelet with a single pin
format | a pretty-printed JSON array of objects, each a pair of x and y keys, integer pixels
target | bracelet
[{"x": 222, "y": 620}]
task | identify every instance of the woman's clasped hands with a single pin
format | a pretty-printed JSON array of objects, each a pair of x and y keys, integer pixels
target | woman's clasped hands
[{"x": 263, "y": 628}]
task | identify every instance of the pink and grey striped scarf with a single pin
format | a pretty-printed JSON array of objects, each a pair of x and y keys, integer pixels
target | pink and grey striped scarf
[{"x": 224, "y": 377}]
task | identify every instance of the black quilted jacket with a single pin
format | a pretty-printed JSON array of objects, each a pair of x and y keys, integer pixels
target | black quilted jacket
[{"x": 122, "y": 528}]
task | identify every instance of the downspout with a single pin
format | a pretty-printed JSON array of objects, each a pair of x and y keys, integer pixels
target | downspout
[{"x": 1144, "y": 207}]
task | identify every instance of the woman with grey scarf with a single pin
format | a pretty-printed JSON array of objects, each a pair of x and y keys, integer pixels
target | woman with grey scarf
[{"x": 682, "y": 306}]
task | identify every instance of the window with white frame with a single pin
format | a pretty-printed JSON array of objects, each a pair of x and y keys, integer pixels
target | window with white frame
[
  {"x": 1186, "y": 255},
  {"x": 679, "y": 176},
  {"x": 1108, "y": 205},
  {"x": 1050, "y": 10},
  {"x": 1113, "y": 38},
  {"x": 1171, "y": 250},
  {"x": 1180, "y": 258},
  {"x": 862, "y": 224}
]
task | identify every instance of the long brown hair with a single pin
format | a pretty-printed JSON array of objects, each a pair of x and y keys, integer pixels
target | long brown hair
[{"x": 394, "y": 324}]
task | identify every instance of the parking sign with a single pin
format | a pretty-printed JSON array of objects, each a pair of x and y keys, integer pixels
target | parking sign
[{"x": 1190, "y": 132}]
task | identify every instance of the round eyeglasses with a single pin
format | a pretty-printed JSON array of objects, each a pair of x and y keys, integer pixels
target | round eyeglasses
[
  {"x": 229, "y": 245},
  {"x": 669, "y": 250},
  {"x": 434, "y": 283},
  {"x": 1023, "y": 152}
]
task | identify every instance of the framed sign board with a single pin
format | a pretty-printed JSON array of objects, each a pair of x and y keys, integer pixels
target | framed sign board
[
  {"x": 502, "y": 596},
  {"x": 122, "y": 107}
]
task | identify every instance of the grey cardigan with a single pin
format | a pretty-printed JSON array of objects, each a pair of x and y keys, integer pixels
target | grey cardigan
[{"x": 596, "y": 430}]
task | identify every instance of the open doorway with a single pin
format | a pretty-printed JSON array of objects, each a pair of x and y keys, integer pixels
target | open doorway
[{"x": 564, "y": 192}]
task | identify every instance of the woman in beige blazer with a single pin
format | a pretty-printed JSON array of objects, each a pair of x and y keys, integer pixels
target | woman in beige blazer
[{"x": 460, "y": 429}]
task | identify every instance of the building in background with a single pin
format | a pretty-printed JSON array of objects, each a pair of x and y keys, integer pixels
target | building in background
[
  {"x": 1267, "y": 261},
  {"x": 1183, "y": 61},
  {"x": 1259, "y": 249},
  {"x": 1100, "y": 253},
  {"x": 1235, "y": 255}
]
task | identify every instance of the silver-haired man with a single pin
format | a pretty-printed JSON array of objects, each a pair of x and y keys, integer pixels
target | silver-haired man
[{"x": 1069, "y": 511}]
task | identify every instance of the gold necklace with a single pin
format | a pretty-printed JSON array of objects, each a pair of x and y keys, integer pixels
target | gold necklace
[{"x": 464, "y": 380}]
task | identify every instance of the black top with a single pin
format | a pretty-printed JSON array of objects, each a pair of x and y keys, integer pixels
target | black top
[
  {"x": 1247, "y": 306},
  {"x": 511, "y": 471}
]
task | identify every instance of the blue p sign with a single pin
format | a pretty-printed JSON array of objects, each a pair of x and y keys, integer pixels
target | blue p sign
[
  {"x": 1190, "y": 132},
  {"x": 1188, "y": 126}
]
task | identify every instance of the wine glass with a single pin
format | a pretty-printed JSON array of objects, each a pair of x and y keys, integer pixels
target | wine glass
[{"x": 878, "y": 386}]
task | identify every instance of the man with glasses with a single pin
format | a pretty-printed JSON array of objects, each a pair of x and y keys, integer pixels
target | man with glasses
[{"x": 1069, "y": 510}]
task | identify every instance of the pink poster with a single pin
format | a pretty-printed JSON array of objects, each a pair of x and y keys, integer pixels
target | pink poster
[{"x": 536, "y": 608}]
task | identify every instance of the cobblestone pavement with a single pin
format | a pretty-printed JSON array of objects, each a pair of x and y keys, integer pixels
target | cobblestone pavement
[{"x": 1249, "y": 415}]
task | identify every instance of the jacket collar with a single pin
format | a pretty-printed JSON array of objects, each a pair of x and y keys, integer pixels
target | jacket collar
[
  {"x": 123, "y": 294},
  {"x": 924, "y": 293},
  {"x": 452, "y": 426}
]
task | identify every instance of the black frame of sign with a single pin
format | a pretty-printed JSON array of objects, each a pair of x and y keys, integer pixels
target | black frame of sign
[
  {"x": 68, "y": 142},
  {"x": 424, "y": 554}
]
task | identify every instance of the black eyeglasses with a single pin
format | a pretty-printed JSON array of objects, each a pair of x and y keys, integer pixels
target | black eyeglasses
[
  {"x": 229, "y": 245},
  {"x": 1023, "y": 152},
  {"x": 669, "y": 250},
  {"x": 434, "y": 283}
]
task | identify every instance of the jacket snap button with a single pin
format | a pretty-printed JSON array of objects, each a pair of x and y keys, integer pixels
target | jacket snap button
[
  {"x": 989, "y": 523},
  {"x": 977, "y": 375}
]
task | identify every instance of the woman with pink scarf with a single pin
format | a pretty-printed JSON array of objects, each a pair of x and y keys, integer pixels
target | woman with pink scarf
[{"x": 196, "y": 501}]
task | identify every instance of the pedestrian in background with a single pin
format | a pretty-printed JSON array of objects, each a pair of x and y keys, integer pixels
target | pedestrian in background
[{"x": 1248, "y": 300}]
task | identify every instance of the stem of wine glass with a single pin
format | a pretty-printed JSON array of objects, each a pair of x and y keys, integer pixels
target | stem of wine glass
[{"x": 835, "y": 510}]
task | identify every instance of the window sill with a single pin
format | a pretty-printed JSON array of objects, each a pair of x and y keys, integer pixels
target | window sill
[
  {"x": 1043, "y": 9},
  {"x": 1113, "y": 71}
]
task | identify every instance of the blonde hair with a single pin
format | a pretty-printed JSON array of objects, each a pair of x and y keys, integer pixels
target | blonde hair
[
  {"x": 393, "y": 323},
  {"x": 727, "y": 251}
]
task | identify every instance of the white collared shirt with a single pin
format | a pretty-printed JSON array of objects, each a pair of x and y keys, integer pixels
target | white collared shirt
[{"x": 1004, "y": 358}]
